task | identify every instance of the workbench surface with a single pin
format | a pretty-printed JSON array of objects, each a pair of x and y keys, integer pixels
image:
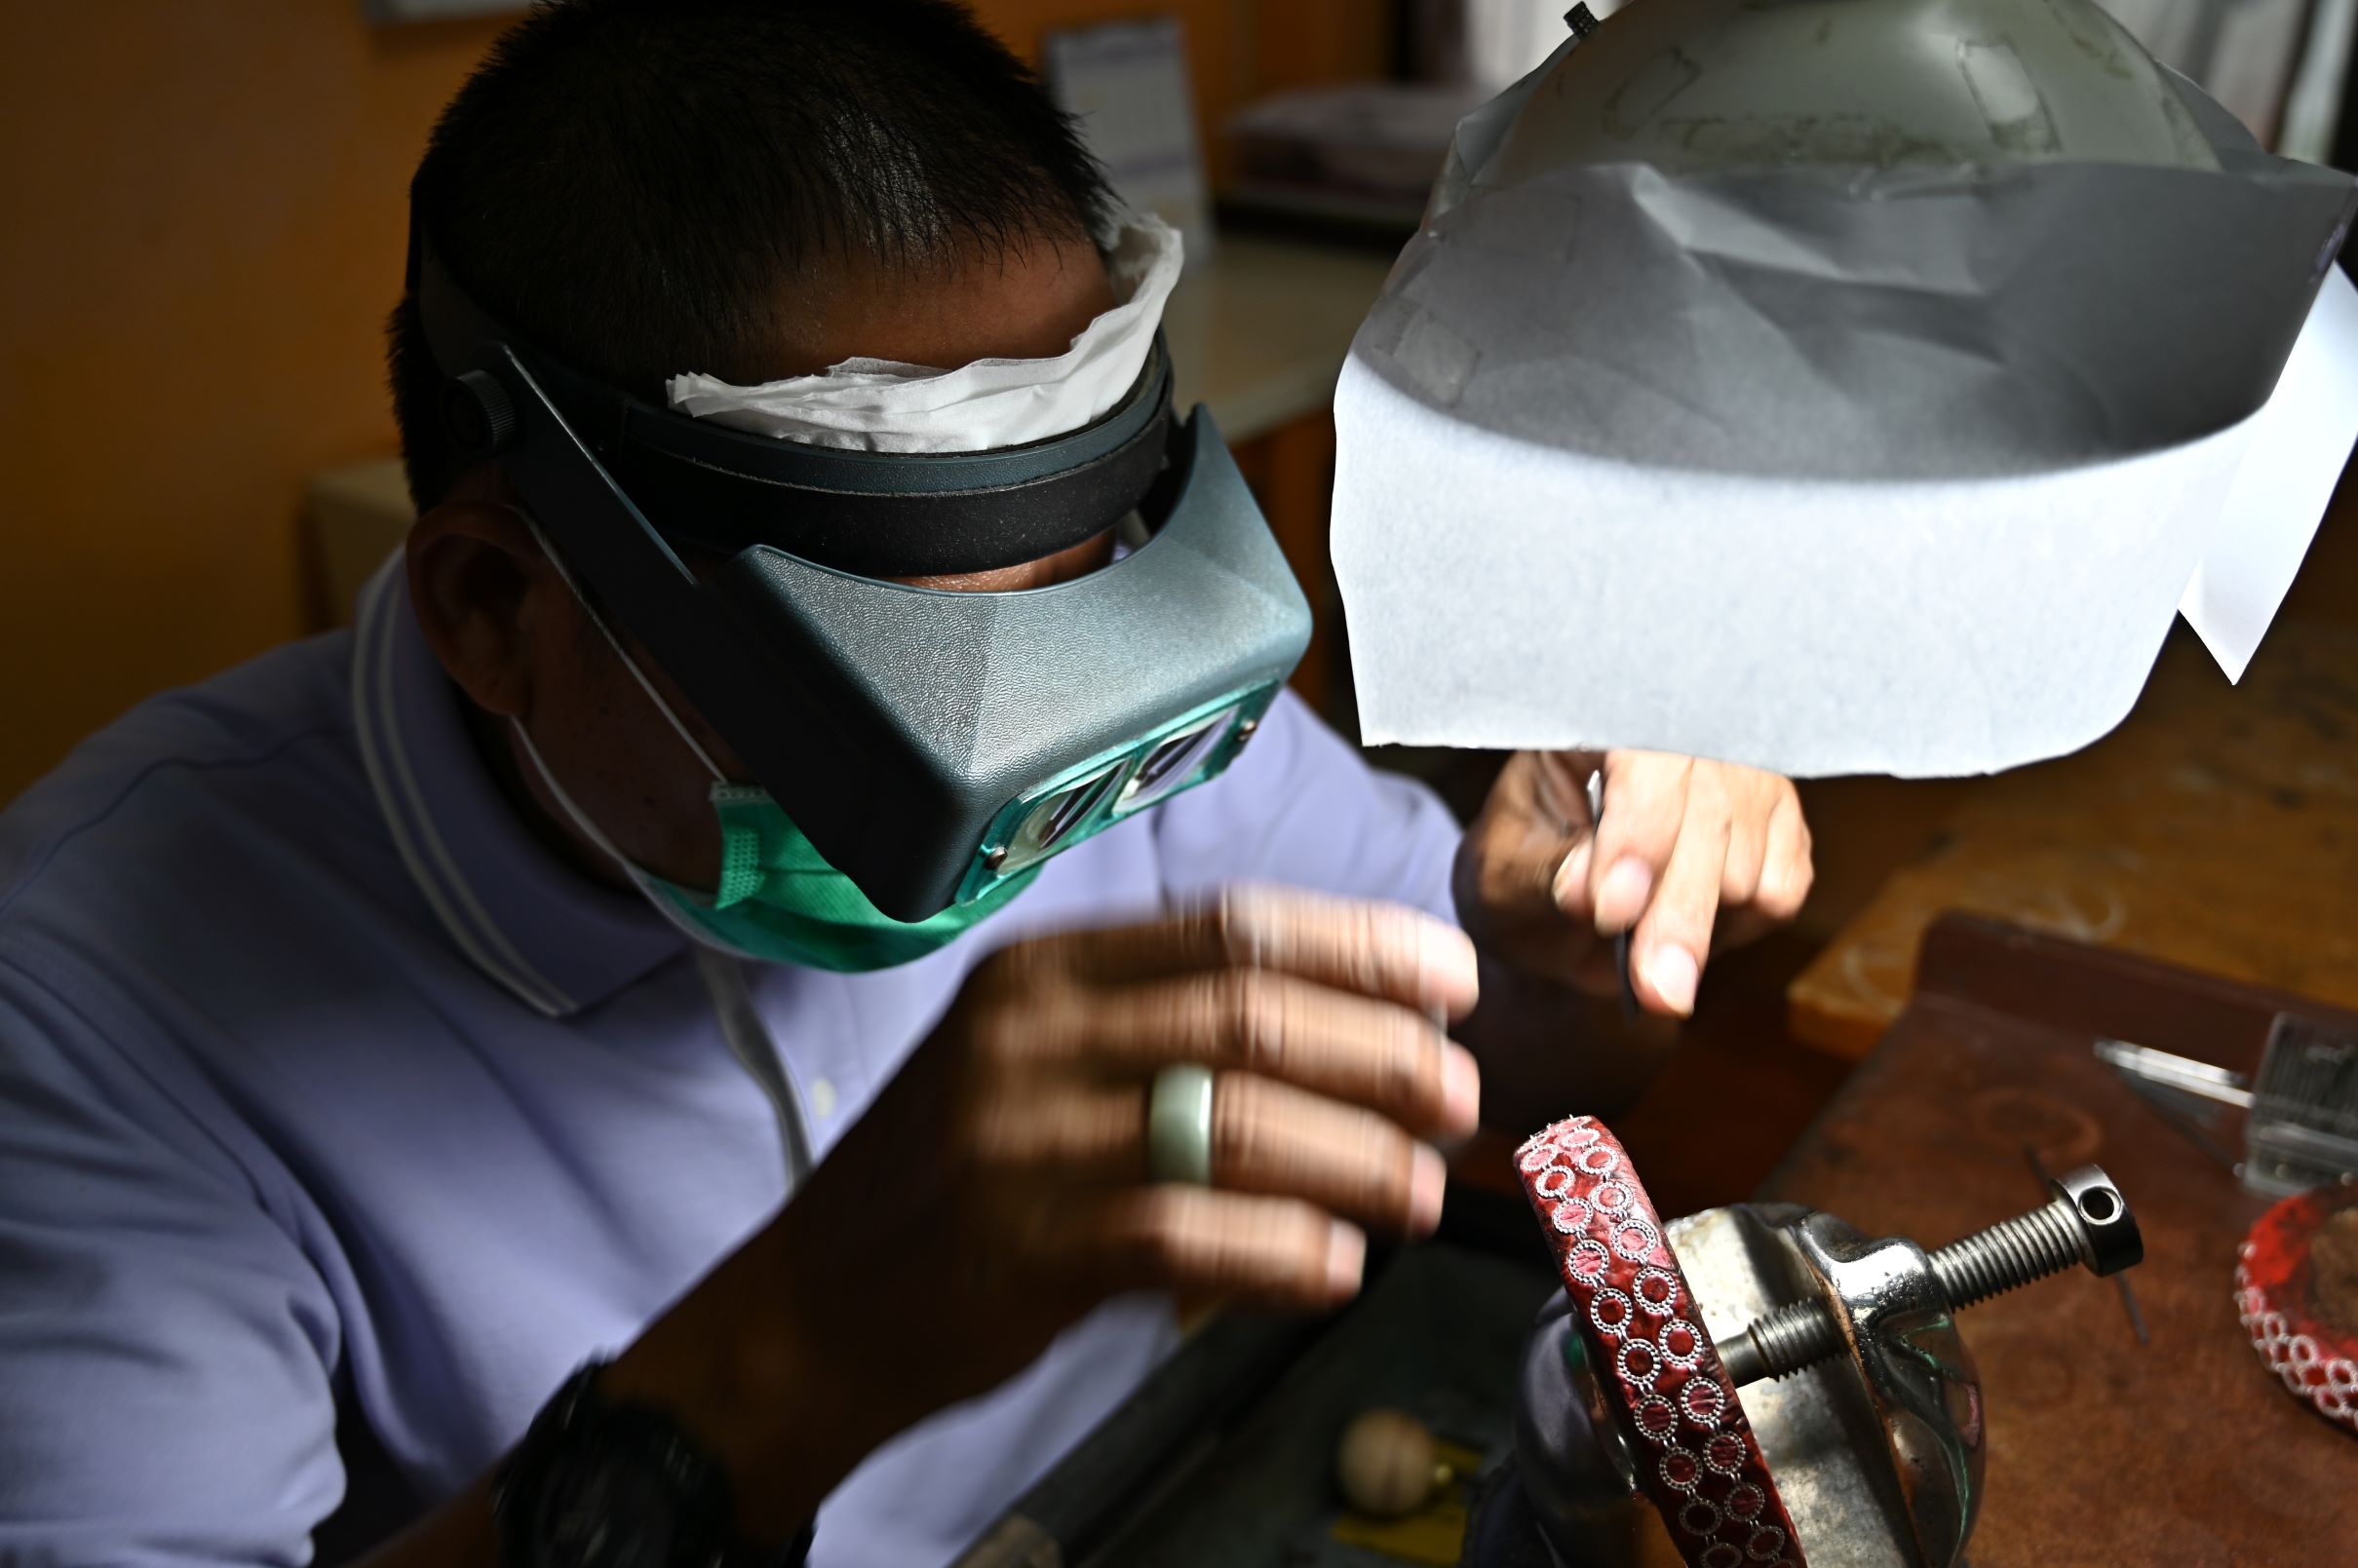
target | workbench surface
[{"x": 2186, "y": 1451}]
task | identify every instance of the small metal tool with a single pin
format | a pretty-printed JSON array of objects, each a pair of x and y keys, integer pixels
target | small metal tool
[
  {"x": 2303, "y": 1129},
  {"x": 2173, "y": 1108},
  {"x": 2181, "y": 1072},
  {"x": 2301, "y": 1122},
  {"x": 1596, "y": 819}
]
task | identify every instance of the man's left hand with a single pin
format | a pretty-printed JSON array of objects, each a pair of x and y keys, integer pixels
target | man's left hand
[{"x": 1691, "y": 857}]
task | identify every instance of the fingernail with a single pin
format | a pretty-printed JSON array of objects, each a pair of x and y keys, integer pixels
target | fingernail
[
  {"x": 1622, "y": 899},
  {"x": 1461, "y": 1089},
  {"x": 1673, "y": 973},
  {"x": 1449, "y": 973},
  {"x": 1425, "y": 1186},
  {"x": 1347, "y": 1254},
  {"x": 1571, "y": 877}
]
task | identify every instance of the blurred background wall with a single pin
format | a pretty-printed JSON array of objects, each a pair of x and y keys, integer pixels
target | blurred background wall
[{"x": 200, "y": 230}]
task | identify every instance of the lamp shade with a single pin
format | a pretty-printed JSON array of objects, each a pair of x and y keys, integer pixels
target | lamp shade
[
  {"x": 1835, "y": 386},
  {"x": 1696, "y": 86}
]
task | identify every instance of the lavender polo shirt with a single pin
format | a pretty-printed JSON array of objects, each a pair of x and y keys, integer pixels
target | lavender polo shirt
[{"x": 338, "y": 1118}]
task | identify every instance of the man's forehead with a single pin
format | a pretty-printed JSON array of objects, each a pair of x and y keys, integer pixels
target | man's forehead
[{"x": 1024, "y": 301}]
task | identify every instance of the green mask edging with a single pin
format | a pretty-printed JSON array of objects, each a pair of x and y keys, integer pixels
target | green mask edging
[{"x": 780, "y": 902}]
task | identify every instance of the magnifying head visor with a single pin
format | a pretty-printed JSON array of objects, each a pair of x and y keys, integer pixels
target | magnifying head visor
[{"x": 929, "y": 744}]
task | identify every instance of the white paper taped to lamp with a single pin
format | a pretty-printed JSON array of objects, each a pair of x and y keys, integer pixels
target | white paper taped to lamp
[{"x": 1837, "y": 387}]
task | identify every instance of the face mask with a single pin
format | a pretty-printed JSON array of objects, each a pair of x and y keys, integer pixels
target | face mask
[{"x": 779, "y": 901}]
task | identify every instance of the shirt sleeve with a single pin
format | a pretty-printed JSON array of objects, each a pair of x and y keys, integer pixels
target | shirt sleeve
[
  {"x": 165, "y": 1346},
  {"x": 1300, "y": 806}
]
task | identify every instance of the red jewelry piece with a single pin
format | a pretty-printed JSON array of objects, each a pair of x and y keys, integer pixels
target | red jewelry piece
[
  {"x": 2296, "y": 1292},
  {"x": 1661, "y": 1377}
]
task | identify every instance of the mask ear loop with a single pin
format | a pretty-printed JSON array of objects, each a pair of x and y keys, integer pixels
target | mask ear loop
[
  {"x": 572, "y": 584},
  {"x": 740, "y": 850},
  {"x": 572, "y": 810},
  {"x": 648, "y": 885},
  {"x": 719, "y": 965}
]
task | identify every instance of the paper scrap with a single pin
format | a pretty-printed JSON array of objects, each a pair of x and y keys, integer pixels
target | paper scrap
[{"x": 2299, "y": 443}]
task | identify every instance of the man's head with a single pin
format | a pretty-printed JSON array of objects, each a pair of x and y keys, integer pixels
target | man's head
[{"x": 751, "y": 188}]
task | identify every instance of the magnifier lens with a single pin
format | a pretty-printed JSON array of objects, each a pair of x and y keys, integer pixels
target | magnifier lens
[
  {"x": 1055, "y": 816},
  {"x": 1172, "y": 762},
  {"x": 1111, "y": 788}
]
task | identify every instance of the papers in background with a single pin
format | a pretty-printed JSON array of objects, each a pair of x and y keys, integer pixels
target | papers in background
[{"x": 1127, "y": 81}]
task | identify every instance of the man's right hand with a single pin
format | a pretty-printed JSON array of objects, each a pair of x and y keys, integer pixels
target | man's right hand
[{"x": 998, "y": 1190}]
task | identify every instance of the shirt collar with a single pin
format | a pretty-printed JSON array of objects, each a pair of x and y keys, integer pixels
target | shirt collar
[{"x": 557, "y": 939}]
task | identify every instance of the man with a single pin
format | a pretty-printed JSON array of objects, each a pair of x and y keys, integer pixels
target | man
[{"x": 357, "y": 1087}]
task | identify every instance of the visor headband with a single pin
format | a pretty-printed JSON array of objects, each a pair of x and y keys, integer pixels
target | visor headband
[
  {"x": 912, "y": 528},
  {"x": 875, "y": 515}
]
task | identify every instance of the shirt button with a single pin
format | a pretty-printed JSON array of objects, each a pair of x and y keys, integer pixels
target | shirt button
[{"x": 822, "y": 1097}]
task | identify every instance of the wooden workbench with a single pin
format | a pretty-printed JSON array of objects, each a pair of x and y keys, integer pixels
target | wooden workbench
[{"x": 2217, "y": 828}]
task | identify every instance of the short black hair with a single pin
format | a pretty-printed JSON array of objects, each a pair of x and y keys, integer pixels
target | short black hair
[{"x": 634, "y": 185}]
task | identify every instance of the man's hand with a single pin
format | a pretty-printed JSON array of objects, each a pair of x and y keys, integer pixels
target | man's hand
[
  {"x": 1691, "y": 857},
  {"x": 998, "y": 1190}
]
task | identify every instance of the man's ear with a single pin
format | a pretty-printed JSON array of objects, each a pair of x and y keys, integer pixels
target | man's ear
[{"x": 482, "y": 590}]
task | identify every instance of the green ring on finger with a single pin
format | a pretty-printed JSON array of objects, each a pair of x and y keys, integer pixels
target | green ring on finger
[{"x": 1179, "y": 1126}]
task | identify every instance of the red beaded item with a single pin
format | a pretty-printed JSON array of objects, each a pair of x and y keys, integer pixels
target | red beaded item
[
  {"x": 2296, "y": 1292},
  {"x": 1696, "y": 1454}
]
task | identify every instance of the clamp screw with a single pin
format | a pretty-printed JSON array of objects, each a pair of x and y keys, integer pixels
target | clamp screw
[{"x": 2085, "y": 1222}]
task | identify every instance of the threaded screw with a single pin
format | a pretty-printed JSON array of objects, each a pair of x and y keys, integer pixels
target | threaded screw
[
  {"x": 2085, "y": 1222},
  {"x": 2009, "y": 1254}
]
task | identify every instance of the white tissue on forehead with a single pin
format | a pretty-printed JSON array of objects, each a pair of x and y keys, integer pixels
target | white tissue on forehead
[{"x": 881, "y": 405}]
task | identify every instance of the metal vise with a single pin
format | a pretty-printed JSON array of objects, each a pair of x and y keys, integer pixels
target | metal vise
[{"x": 1861, "y": 1392}]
